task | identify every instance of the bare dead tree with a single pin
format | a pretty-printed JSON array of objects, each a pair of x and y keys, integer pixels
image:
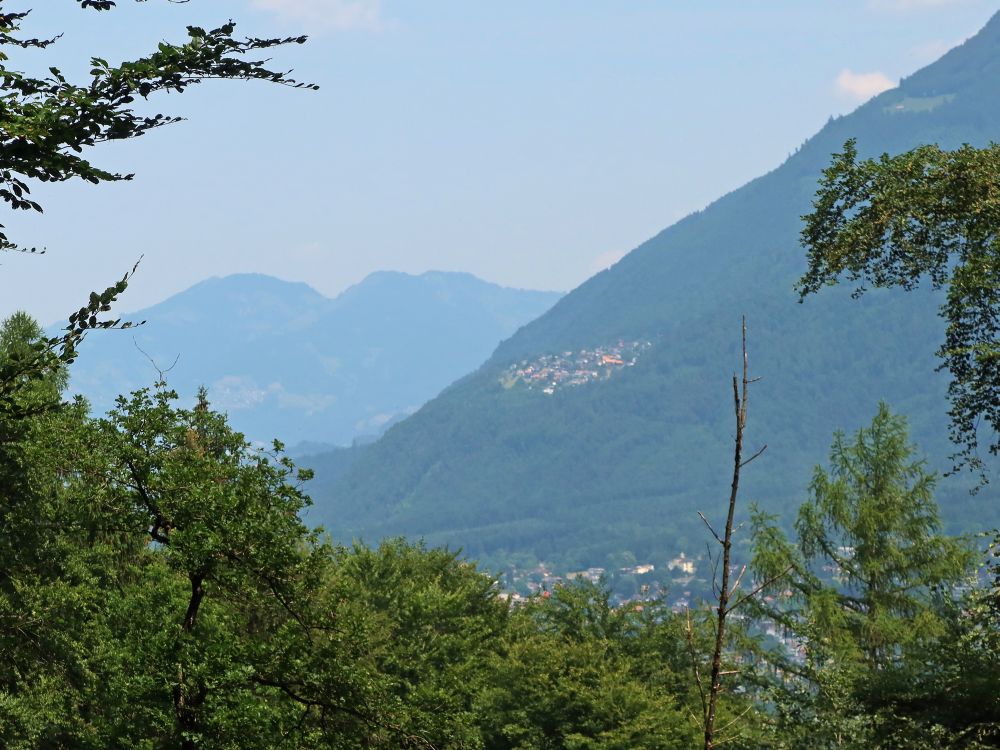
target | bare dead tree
[{"x": 726, "y": 591}]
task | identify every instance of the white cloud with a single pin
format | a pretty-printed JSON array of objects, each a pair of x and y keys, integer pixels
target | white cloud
[
  {"x": 327, "y": 15},
  {"x": 862, "y": 86}
]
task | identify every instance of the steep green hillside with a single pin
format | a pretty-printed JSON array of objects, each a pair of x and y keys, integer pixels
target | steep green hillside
[
  {"x": 287, "y": 362},
  {"x": 624, "y": 463}
]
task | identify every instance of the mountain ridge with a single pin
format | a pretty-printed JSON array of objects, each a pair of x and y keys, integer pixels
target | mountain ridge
[
  {"x": 583, "y": 472},
  {"x": 285, "y": 361}
]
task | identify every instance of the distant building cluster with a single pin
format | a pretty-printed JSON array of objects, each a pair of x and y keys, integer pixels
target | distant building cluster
[
  {"x": 551, "y": 372},
  {"x": 681, "y": 582},
  {"x": 520, "y": 585}
]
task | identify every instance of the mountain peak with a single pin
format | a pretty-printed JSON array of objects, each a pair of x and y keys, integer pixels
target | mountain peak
[
  {"x": 285, "y": 360},
  {"x": 437, "y": 280},
  {"x": 243, "y": 284}
]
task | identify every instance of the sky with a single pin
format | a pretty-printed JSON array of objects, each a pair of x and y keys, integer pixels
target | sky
[{"x": 529, "y": 143}]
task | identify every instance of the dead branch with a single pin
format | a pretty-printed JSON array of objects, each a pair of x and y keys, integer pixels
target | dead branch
[
  {"x": 761, "y": 587},
  {"x": 755, "y": 455},
  {"x": 722, "y": 587},
  {"x": 717, "y": 537},
  {"x": 694, "y": 665}
]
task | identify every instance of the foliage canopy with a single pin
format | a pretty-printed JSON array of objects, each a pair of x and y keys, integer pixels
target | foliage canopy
[
  {"x": 928, "y": 214},
  {"x": 48, "y": 124},
  {"x": 872, "y": 602}
]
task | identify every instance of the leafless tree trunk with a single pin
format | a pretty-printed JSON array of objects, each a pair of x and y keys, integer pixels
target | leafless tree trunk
[{"x": 726, "y": 591}]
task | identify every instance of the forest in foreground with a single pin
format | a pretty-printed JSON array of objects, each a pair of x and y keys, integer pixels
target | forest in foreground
[{"x": 159, "y": 588}]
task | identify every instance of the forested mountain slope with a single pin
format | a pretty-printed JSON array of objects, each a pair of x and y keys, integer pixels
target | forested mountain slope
[
  {"x": 285, "y": 361},
  {"x": 623, "y": 462}
]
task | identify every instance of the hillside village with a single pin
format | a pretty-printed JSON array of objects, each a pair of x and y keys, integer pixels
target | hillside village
[
  {"x": 551, "y": 372},
  {"x": 630, "y": 584},
  {"x": 682, "y": 583}
]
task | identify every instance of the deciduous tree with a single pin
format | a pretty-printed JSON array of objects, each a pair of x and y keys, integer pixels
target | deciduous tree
[
  {"x": 49, "y": 125},
  {"x": 925, "y": 215}
]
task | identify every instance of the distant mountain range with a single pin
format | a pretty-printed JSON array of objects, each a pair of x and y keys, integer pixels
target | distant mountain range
[
  {"x": 619, "y": 460},
  {"x": 284, "y": 361}
]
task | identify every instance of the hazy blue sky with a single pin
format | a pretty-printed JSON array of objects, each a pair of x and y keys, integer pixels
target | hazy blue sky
[{"x": 530, "y": 143}]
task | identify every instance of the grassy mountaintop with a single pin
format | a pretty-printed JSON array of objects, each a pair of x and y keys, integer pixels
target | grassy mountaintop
[{"x": 625, "y": 463}]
